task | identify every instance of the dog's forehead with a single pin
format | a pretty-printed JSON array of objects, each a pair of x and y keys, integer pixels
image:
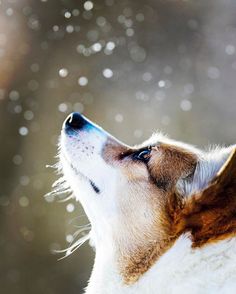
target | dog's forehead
[
  {"x": 158, "y": 139},
  {"x": 154, "y": 140}
]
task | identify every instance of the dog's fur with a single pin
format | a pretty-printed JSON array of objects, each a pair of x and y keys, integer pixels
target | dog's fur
[{"x": 163, "y": 221}]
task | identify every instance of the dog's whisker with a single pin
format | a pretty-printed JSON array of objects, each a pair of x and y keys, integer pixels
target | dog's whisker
[
  {"x": 61, "y": 187},
  {"x": 66, "y": 199},
  {"x": 74, "y": 245}
]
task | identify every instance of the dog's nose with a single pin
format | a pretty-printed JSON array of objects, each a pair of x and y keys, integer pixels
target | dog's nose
[{"x": 75, "y": 121}]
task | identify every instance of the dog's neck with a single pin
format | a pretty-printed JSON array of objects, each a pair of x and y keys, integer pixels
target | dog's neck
[{"x": 180, "y": 268}]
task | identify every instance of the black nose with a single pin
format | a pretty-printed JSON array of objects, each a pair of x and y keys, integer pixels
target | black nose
[{"x": 75, "y": 121}]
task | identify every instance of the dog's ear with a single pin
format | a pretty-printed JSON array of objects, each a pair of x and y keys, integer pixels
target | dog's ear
[
  {"x": 210, "y": 214},
  {"x": 207, "y": 167},
  {"x": 188, "y": 171}
]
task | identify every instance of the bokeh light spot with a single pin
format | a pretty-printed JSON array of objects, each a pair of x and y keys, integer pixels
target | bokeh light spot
[
  {"x": 88, "y": 5},
  {"x": 70, "y": 207},
  {"x": 186, "y": 105},
  {"x": 107, "y": 73},
  {"x": 63, "y": 72},
  {"x": 24, "y": 201},
  {"x": 83, "y": 81},
  {"x": 23, "y": 131}
]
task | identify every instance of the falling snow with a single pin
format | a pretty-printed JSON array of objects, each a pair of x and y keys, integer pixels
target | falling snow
[
  {"x": 123, "y": 65},
  {"x": 23, "y": 131},
  {"x": 83, "y": 81},
  {"x": 63, "y": 72},
  {"x": 70, "y": 207},
  {"x": 107, "y": 73},
  {"x": 24, "y": 201},
  {"x": 88, "y": 5},
  {"x": 185, "y": 105}
]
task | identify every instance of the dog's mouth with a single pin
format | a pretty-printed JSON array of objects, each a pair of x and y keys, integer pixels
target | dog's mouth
[{"x": 95, "y": 187}]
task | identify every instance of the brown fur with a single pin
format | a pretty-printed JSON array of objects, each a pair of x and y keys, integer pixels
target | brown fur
[
  {"x": 136, "y": 264},
  {"x": 170, "y": 163}
]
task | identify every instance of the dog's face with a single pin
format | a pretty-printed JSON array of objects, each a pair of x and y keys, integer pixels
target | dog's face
[
  {"x": 117, "y": 184},
  {"x": 127, "y": 191}
]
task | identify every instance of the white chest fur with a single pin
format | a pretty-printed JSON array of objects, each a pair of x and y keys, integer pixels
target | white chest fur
[{"x": 208, "y": 270}]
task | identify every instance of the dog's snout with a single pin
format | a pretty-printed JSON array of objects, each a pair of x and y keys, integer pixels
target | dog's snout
[
  {"x": 75, "y": 121},
  {"x": 76, "y": 124}
]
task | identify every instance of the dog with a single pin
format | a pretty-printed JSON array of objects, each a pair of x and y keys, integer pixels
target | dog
[{"x": 163, "y": 214}]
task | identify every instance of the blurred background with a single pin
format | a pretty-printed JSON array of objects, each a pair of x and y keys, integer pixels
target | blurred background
[{"x": 132, "y": 66}]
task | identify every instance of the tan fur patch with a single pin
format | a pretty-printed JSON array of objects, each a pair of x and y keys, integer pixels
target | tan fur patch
[
  {"x": 136, "y": 264},
  {"x": 170, "y": 163},
  {"x": 112, "y": 150}
]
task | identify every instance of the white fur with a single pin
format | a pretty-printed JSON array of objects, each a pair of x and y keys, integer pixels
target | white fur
[
  {"x": 80, "y": 166},
  {"x": 181, "y": 270}
]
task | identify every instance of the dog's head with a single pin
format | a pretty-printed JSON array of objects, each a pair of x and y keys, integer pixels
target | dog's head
[{"x": 134, "y": 196}]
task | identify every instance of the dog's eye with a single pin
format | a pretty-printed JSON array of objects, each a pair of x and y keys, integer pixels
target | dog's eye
[{"x": 143, "y": 155}]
